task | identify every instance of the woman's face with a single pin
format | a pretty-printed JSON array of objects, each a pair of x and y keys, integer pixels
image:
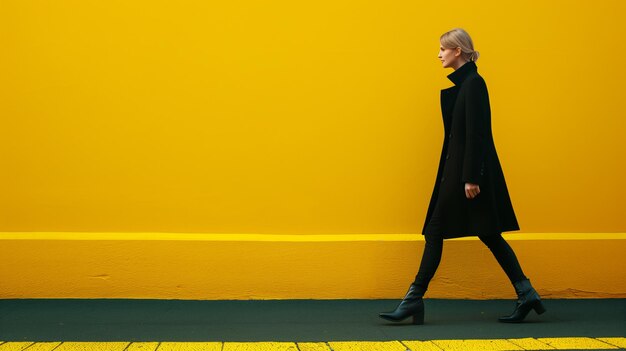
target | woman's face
[{"x": 450, "y": 57}]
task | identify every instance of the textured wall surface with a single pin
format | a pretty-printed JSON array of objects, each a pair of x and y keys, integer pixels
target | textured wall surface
[{"x": 212, "y": 267}]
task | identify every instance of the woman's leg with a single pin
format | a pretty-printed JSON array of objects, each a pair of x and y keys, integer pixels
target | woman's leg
[
  {"x": 430, "y": 261},
  {"x": 505, "y": 256},
  {"x": 412, "y": 304},
  {"x": 527, "y": 297}
]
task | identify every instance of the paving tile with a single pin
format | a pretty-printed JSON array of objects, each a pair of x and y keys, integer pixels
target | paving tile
[
  {"x": 576, "y": 343},
  {"x": 619, "y": 342},
  {"x": 531, "y": 344},
  {"x": 43, "y": 346},
  {"x": 260, "y": 346},
  {"x": 15, "y": 346},
  {"x": 92, "y": 346},
  {"x": 142, "y": 346},
  {"x": 190, "y": 346},
  {"x": 476, "y": 345},
  {"x": 415, "y": 345},
  {"x": 313, "y": 346},
  {"x": 367, "y": 346}
]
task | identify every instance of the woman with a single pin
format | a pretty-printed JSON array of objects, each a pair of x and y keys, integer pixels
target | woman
[{"x": 470, "y": 195}]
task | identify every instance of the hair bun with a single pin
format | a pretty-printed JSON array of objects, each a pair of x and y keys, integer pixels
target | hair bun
[{"x": 475, "y": 55}]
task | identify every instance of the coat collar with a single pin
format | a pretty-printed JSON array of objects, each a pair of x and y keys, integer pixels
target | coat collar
[{"x": 458, "y": 76}]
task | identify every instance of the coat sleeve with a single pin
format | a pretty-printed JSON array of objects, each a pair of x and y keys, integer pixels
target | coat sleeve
[{"x": 477, "y": 119}]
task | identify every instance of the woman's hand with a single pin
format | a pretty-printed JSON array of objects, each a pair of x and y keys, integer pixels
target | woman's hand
[{"x": 471, "y": 190}]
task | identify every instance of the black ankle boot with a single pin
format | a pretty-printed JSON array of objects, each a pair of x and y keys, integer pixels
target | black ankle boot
[
  {"x": 411, "y": 305},
  {"x": 527, "y": 299}
]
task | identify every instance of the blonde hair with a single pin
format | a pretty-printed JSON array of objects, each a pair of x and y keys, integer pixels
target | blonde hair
[{"x": 458, "y": 37}]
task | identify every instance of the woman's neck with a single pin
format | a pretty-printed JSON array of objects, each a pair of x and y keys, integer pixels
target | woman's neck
[{"x": 459, "y": 64}]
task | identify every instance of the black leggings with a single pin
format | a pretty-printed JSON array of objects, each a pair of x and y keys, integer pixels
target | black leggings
[{"x": 496, "y": 243}]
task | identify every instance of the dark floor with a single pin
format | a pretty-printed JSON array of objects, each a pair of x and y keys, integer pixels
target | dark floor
[{"x": 297, "y": 320}]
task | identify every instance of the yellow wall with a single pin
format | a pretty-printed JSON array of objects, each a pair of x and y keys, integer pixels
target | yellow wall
[
  {"x": 287, "y": 117},
  {"x": 242, "y": 267},
  {"x": 296, "y": 118}
]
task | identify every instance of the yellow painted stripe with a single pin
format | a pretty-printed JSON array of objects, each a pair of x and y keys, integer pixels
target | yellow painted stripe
[
  {"x": 15, "y": 346},
  {"x": 569, "y": 343},
  {"x": 210, "y": 237},
  {"x": 366, "y": 346},
  {"x": 288, "y": 237},
  {"x": 564, "y": 236},
  {"x": 43, "y": 346},
  {"x": 260, "y": 346},
  {"x": 531, "y": 344},
  {"x": 190, "y": 346},
  {"x": 421, "y": 345},
  {"x": 576, "y": 343},
  {"x": 313, "y": 346},
  {"x": 142, "y": 346},
  {"x": 619, "y": 342},
  {"x": 92, "y": 346},
  {"x": 486, "y": 344}
]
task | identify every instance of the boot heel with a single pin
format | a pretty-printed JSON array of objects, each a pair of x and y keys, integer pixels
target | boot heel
[
  {"x": 418, "y": 317},
  {"x": 539, "y": 307}
]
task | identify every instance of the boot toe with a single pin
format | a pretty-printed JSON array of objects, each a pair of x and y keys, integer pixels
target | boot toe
[
  {"x": 388, "y": 316},
  {"x": 508, "y": 320}
]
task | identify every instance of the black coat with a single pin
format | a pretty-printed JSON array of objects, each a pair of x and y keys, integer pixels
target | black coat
[{"x": 469, "y": 155}]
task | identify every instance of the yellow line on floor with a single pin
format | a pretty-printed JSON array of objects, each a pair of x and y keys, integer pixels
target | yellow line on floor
[
  {"x": 576, "y": 343},
  {"x": 142, "y": 346},
  {"x": 15, "y": 346},
  {"x": 620, "y": 342},
  {"x": 92, "y": 346},
  {"x": 563, "y": 343},
  {"x": 462, "y": 345},
  {"x": 44, "y": 346},
  {"x": 366, "y": 346}
]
